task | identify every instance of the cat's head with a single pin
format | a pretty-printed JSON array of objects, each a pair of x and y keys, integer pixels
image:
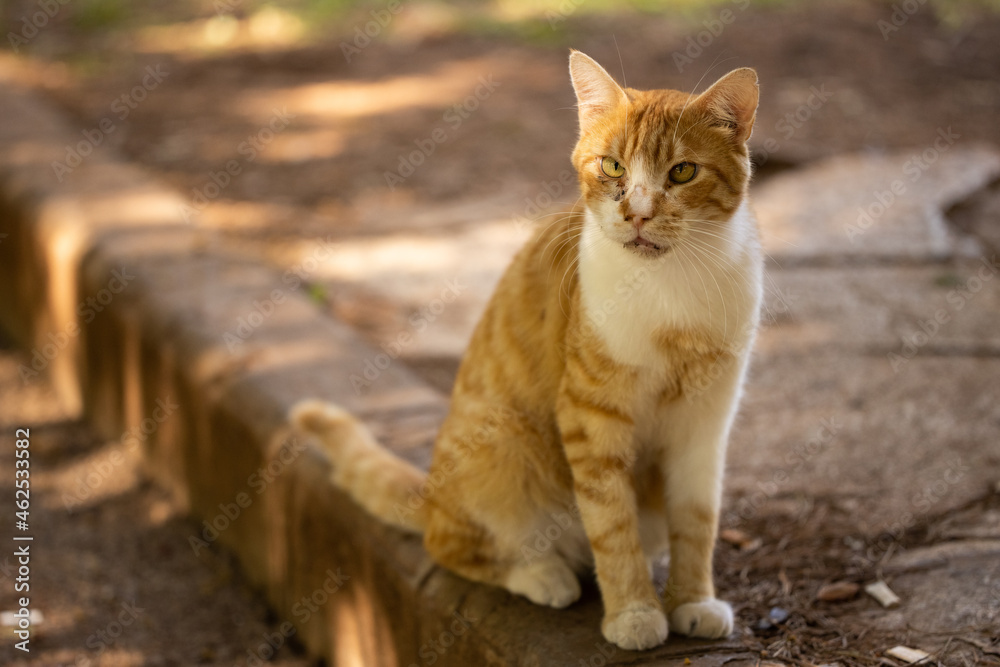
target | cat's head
[{"x": 655, "y": 166}]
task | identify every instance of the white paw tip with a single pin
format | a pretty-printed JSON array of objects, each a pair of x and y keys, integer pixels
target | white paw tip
[
  {"x": 315, "y": 416},
  {"x": 709, "y": 619},
  {"x": 636, "y": 629},
  {"x": 548, "y": 584}
]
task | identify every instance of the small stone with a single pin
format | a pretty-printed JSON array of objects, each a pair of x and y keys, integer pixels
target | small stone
[
  {"x": 777, "y": 615},
  {"x": 838, "y": 591},
  {"x": 907, "y": 654},
  {"x": 854, "y": 543},
  {"x": 881, "y": 592},
  {"x": 739, "y": 539}
]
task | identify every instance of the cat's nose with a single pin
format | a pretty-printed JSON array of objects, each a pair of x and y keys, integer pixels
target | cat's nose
[
  {"x": 639, "y": 208},
  {"x": 637, "y": 220}
]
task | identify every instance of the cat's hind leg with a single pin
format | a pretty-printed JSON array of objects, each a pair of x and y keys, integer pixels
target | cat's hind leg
[
  {"x": 500, "y": 513},
  {"x": 472, "y": 550}
]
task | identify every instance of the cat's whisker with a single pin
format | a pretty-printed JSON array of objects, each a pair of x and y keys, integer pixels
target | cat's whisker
[
  {"x": 722, "y": 296},
  {"x": 563, "y": 245},
  {"x": 719, "y": 258},
  {"x": 774, "y": 289},
  {"x": 764, "y": 234},
  {"x": 620, "y": 61},
  {"x": 561, "y": 212},
  {"x": 725, "y": 262},
  {"x": 569, "y": 236},
  {"x": 766, "y": 253},
  {"x": 687, "y": 254},
  {"x": 716, "y": 256}
]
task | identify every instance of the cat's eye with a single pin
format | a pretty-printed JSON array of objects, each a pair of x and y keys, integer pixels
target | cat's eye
[
  {"x": 611, "y": 168},
  {"x": 683, "y": 172}
]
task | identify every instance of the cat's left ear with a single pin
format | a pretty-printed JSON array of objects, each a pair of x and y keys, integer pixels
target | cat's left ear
[
  {"x": 596, "y": 92},
  {"x": 733, "y": 101}
]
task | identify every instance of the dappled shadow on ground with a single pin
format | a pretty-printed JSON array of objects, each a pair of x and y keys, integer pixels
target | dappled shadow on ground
[{"x": 112, "y": 570}]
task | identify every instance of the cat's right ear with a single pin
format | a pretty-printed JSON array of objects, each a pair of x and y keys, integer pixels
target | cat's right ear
[{"x": 596, "y": 92}]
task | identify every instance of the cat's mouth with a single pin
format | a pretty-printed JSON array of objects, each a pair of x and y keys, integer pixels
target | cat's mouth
[{"x": 643, "y": 246}]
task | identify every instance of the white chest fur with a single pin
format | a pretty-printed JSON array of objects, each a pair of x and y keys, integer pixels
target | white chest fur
[{"x": 710, "y": 286}]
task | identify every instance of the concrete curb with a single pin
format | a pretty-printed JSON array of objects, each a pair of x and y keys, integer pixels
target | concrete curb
[{"x": 128, "y": 309}]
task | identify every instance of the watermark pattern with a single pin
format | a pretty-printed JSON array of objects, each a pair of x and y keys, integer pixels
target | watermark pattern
[
  {"x": 365, "y": 33},
  {"x": 454, "y": 117},
  {"x": 928, "y": 329},
  {"x": 552, "y": 190},
  {"x": 802, "y": 453},
  {"x": 104, "y": 638},
  {"x": 432, "y": 650},
  {"x": 988, "y": 614},
  {"x": 703, "y": 381},
  {"x": 226, "y": 7},
  {"x": 543, "y": 539},
  {"x": 21, "y": 620},
  {"x": 625, "y": 288},
  {"x": 921, "y": 501},
  {"x": 262, "y": 310},
  {"x": 901, "y": 13},
  {"x": 87, "y": 310},
  {"x": 565, "y": 9},
  {"x": 257, "y": 482},
  {"x": 437, "y": 478},
  {"x": 31, "y": 26},
  {"x": 121, "y": 108},
  {"x": 87, "y": 484},
  {"x": 913, "y": 170},
  {"x": 714, "y": 27},
  {"x": 249, "y": 149},
  {"x": 418, "y": 322},
  {"x": 792, "y": 121},
  {"x": 302, "y": 610},
  {"x": 267, "y": 649},
  {"x": 310, "y": 604}
]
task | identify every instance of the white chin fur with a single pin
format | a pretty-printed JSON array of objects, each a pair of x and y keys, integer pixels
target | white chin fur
[{"x": 627, "y": 295}]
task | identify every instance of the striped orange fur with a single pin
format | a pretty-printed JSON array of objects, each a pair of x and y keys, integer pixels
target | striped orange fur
[{"x": 590, "y": 415}]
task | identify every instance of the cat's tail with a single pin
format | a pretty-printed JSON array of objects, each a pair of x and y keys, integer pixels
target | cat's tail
[{"x": 378, "y": 480}]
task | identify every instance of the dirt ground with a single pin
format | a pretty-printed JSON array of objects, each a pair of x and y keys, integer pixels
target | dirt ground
[
  {"x": 803, "y": 551},
  {"x": 112, "y": 571},
  {"x": 831, "y": 83}
]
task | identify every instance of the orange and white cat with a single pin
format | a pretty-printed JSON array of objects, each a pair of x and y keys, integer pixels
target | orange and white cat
[{"x": 599, "y": 388}]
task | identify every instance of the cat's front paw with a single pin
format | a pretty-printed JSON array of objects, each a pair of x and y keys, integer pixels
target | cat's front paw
[
  {"x": 549, "y": 582},
  {"x": 636, "y": 628},
  {"x": 711, "y": 619}
]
